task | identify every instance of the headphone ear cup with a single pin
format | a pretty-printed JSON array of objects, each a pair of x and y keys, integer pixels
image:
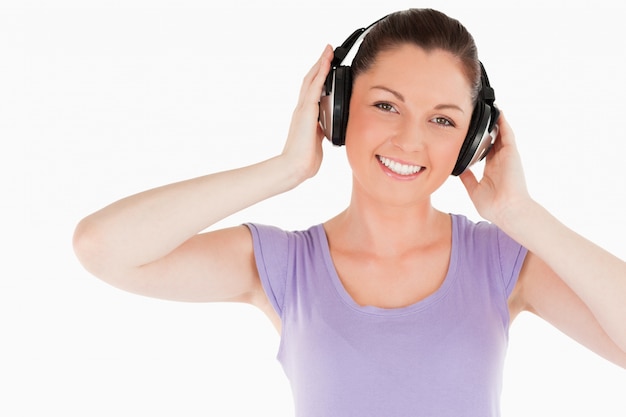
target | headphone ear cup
[
  {"x": 479, "y": 137},
  {"x": 341, "y": 104}
]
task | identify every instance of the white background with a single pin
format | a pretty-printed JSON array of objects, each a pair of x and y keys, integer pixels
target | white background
[{"x": 99, "y": 100}]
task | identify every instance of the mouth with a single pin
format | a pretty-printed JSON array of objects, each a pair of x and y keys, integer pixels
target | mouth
[{"x": 398, "y": 168}]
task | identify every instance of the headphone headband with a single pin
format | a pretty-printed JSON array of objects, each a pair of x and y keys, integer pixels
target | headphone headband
[{"x": 345, "y": 53}]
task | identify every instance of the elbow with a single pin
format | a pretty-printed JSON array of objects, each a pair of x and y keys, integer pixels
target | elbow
[
  {"x": 87, "y": 243},
  {"x": 96, "y": 251}
]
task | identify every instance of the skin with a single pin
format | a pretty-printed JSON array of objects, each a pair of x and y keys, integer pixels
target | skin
[
  {"x": 142, "y": 244},
  {"x": 395, "y": 113}
]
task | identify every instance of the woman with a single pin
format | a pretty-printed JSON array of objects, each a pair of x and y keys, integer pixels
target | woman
[{"x": 391, "y": 307}]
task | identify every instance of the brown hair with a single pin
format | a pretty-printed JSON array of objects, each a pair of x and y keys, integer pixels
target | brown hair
[{"x": 427, "y": 28}]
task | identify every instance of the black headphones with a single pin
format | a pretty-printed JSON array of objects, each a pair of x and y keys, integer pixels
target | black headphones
[{"x": 335, "y": 104}]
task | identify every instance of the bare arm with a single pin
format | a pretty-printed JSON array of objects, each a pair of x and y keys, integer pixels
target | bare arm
[
  {"x": 565, "y": 275},
  {"x": 149, "y": 243},
  {"x": 541, "y": 291},
  {"x": 593, "y": 274}
]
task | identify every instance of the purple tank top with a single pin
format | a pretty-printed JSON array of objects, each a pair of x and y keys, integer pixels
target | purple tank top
[{"x": 442, "y": 356}]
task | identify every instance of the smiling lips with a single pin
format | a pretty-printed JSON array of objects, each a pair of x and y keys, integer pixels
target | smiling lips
[{"x": 399, "y": 168}]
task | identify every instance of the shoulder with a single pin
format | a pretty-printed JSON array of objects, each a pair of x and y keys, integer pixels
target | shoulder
[
  {"x": 279, "y": 253},
  {"x": 482, "y": 234},
  {"x": 273, "y": 237},
  {"x": 483, "y": 244},
  {"x": 277, "y": 249}
]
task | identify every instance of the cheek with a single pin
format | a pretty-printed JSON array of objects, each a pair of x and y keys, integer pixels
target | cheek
[
  {"x": 442, "y": 156},
  {"x": 448, "y": 152},
  {"x": 357, "y": 126},
  {"x": 355, "y": 146},
  {"x": 361, "y": 135}
]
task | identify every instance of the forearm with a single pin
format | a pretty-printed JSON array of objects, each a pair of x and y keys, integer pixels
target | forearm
[
  {"x": 144, "y": 227},
  {"x": 595, "y": 275}
]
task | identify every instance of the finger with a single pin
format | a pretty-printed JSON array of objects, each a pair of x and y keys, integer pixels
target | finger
[
  {"x": 314, "y": 79},
  {"x": 320, "y": 77},
  {"x": 469, "y": 181},
  {"x": 506, "y": 135},
  {"x": 306, "y": 81},
  {"x": 324, "y": 66}
]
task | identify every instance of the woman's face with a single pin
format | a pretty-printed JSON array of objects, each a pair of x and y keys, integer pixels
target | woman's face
[{"x": 409, "y": 114}]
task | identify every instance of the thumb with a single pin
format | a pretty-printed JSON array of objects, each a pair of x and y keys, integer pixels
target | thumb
[{"x": 469, "y": 181}]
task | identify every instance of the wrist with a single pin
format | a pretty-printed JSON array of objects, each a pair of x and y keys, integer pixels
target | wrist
[
  {"x": 298, "y": 169},
  {"x": 290, "y": 172},
  {"x": 514, "y": 218}
]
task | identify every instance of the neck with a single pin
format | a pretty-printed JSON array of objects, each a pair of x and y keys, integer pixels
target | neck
[{"x": 372, "y": 225}]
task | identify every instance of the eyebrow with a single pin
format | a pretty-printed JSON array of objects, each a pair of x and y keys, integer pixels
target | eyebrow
[{"x": 443, "y": 106}]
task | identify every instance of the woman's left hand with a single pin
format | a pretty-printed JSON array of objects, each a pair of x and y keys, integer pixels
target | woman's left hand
[
  {"x": 502, "y": 189},
  {"x": 566, "y": 279}
]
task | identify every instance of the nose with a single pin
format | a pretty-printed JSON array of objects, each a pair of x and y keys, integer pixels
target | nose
[{"x": 411, "y": 137}]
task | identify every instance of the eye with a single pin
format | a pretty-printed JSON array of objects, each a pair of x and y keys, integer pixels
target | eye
[
  {"x": 386, "y": 107},
  {"x": 442, "y": 121}
]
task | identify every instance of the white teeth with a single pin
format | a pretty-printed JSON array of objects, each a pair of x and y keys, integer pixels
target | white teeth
[{"x": 399, "y": 168}]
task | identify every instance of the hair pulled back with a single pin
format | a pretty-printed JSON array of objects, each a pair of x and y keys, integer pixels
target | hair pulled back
[{"x": 426, "y": 28}]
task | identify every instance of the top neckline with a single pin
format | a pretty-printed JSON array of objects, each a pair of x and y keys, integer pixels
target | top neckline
[{"x": 420, "y": 305}]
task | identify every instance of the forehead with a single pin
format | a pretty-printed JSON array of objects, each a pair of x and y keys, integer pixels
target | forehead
[{"x": 414, "y": 71}]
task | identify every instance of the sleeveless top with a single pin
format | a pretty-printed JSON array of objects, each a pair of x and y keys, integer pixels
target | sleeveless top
[{"x": 442, "y": 356}]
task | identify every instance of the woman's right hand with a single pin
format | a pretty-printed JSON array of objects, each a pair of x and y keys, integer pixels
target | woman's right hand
[
  {"x": 303, "y": 149},
  {"x": 150, "y": 243}
]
